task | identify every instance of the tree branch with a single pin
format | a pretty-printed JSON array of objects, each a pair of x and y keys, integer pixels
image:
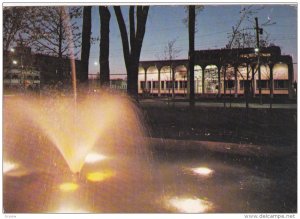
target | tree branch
[
  {"x": 132, "y": 28},
  {"x": 123, "y": 33}
]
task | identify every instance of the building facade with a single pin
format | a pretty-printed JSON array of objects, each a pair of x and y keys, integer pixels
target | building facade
[
  {"x": 18, "y": 72},
  {"x": 219, "y": 72},
  {"x": 24, "y": 70}
]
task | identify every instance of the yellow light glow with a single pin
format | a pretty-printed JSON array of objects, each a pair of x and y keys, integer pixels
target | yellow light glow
[
  {"x": 100, "y": 176},
  {"x": 8, "y": 166},
  {"x": 94, "y": 157},
  {"x": 68, "y": 187},
  {"x": 70, "y": 209},
  {"x": 204, "y": 171},
  {"x": 190, "y": 205}
]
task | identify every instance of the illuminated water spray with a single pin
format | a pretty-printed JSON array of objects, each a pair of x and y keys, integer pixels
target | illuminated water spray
[
  {"x": 66, "y": 23},
  {"x": 109, "y": 122}
]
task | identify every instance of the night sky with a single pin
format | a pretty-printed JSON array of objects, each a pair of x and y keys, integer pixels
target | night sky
[{"x": 214, "y": 24}]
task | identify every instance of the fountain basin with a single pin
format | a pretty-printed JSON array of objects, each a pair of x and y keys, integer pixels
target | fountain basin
[{"x": 249, "y": 184}]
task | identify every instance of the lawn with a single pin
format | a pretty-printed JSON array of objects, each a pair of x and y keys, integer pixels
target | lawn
[{"x": 276, "y": 127}]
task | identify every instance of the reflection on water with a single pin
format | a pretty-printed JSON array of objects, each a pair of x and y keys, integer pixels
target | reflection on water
[
  {"x": 68, "y": 187},
  {"x": 204, "y": 171},
  {"x": 8, "y": 166},
  {"x": 94, "y": 158},
  {"x": 190, "y": 205},
  {"x": 67, "y": 208},
  {"x": 100, "y": 175}
]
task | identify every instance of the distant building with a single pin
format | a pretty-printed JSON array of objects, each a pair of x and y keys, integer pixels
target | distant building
[
  {"x": 155, "y": 77},
  {"x": 24, "y": 70},
  {"x": 114, "y": 83},
  {"x": 118, "y": 84},
  {"x": 18, "y": 72}
]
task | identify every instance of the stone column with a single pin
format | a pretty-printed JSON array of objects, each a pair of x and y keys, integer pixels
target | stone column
[
  {"x": 219, "y": 81},
  {"x": 173, "y": 82},
  {"x": 271, "y": 80},
  {"x": 224, "y": 76},
  {"x": 146, "y": 86},
  {"x": 203, "y": 80},
  {"x": 187, "y": 89},
  {"x": 159, "y": 85},
  {"x": 290, "y": 79},
  {"x": 235, "y": 82},
  {"x": 253, "y": 80}
]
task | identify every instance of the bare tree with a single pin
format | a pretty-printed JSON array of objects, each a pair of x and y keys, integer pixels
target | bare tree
[
  {"x": 198, "y": 9},
  {"x": 171, "y": 53},
  {"x": 14, "y": 23},
  {"x": 245, "y": 37},
  {"x": 86, "y": 42},
  {"x": 104, "y": 45},
  {"x": 49, "y": 30},
  {"x": 132, "y": 46}
]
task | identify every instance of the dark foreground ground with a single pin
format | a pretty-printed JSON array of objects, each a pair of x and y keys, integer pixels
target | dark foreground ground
[
  {"x": 239, "y": 183},
  {"x": 276, "y": 127}
]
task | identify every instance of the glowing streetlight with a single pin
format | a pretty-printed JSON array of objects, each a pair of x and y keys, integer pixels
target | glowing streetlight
[
  {"x": 256, "y": 50},
  {"x": 12, "y": 50},
  {"x": 15, "y": 62}
]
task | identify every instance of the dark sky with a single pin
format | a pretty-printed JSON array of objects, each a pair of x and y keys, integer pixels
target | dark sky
[{"x": 214, "y": 24}]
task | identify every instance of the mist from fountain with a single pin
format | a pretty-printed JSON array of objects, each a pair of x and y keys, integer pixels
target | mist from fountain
[{"x": 111, "y": 122}]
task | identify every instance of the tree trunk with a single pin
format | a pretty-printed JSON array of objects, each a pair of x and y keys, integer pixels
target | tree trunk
[
  {"x": 86, "y": 43},
  {"x": 132, "y": 80},
  {"x": 132, "y": 52},
  {"x": 192, "y": 52},
  {"x": 104, "y": 45}
]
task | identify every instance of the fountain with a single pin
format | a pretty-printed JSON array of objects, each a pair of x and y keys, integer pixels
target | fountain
[
  {"x": 77, "y": 141},
  {"x": 89, "y": 153},
  {"x": 110, "y": 119},
  {"x": 97, "y": 158},
  {"x": 102, "y": 139}
]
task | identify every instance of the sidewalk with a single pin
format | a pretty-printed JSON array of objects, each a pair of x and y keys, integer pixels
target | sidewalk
[{"x": 178, "y": 103}]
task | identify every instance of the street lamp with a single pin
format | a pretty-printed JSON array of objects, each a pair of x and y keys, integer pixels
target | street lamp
[
  {"x": 15, "y": 62},
  {"x": 12, "y": 50},
  {"x": 256, "y": 50}
]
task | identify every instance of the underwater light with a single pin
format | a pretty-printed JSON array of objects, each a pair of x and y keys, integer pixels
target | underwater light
[
  {"x": 8, "y": 166},
  {"x": 94, "y": 157},
  {"x": 100, "y": 176},
  {"x": 68, "y": 187},
  {"x": 204, "y": 171},
  {"x": 190, "y": 205}
]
